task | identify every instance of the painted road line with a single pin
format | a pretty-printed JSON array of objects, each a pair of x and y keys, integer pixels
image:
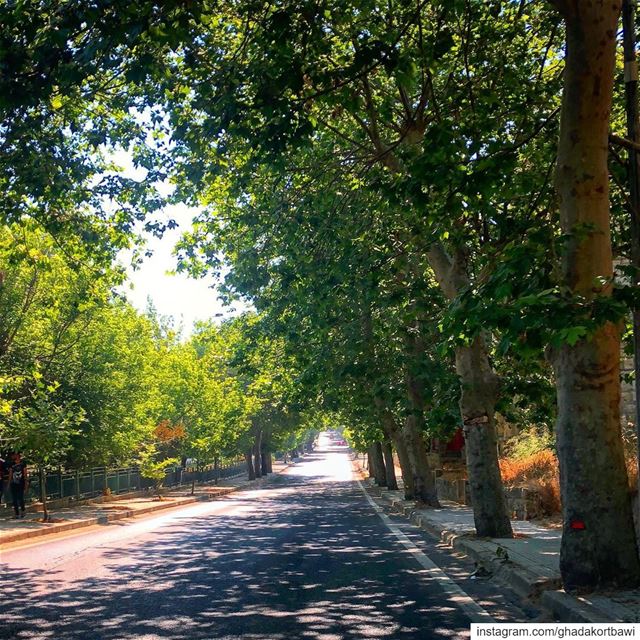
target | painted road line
[{"x": 434, "y": 573}]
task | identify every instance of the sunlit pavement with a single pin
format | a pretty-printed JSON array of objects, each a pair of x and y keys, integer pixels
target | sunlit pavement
[{"x": 304, "y": 557}]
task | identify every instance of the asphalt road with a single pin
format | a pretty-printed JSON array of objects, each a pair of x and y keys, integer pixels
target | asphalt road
[{"x": 307, "y": 556}]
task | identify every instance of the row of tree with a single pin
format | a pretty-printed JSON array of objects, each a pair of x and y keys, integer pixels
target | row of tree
[
  {"x": 380, "y": 177},
  {"x": 89, "y": 381}
]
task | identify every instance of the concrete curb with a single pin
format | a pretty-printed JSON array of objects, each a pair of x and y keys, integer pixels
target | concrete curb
[
  {"x": 130, "y": 513},
  {"x": 547, "y": 592},
  {"x": 483, "y": 553},
  {"x": 569, "y": 609}
]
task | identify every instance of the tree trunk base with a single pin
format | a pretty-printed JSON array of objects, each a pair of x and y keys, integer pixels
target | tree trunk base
[{"x": 490, "y": 513}]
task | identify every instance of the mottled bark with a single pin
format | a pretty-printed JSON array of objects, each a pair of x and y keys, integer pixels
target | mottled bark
[
  {"x": 375, "y": 471},
  {"x": 394, "y": 432},
  {"x": 405, "y": 466},
  {"x": 389, "y": 466},
  {"x": 379, "y": 469},
  {"x": 265, "y": 458},
  {"x": 251, "y": 471},
  {"x": 257, "y": 457},
  {"x": 479, "y": 394},
  {"x": 598, "y": 544},
  {"x": 369, "y": 463},
  {"x": 477, "y": 402},
  {"x": 269, "y": 462},
  {"x": 424, "y": 486},
  {"x": 424, "y": 483}
]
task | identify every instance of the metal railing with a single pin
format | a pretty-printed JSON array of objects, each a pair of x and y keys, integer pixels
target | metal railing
[{"x": 81, "y": 485}]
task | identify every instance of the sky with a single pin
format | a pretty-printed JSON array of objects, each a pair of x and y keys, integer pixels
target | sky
[
  {"x": 183, "y": 298},
  {"x": 177, "y": 295}
]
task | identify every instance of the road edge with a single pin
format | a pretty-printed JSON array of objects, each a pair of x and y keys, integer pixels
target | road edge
[{"x": 124, "y": 514}]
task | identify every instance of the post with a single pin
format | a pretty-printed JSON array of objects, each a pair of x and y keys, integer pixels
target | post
[
  {"x": 631, "y": 97},
  {"x": 77, "y": 478},
  {"x": 43, "y": 494}
]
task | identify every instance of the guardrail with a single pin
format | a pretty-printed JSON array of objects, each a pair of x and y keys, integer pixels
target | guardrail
[{"x": 81, "y": 485}]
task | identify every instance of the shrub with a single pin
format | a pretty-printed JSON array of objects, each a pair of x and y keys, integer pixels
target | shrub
[
  {"x": 538, "y": 471},
  {"x": 542, "y": 465},
  {"x": 154, "y": 469},
  {"x": 529, "y": 442},
  {"x": 632, "y": 473}
]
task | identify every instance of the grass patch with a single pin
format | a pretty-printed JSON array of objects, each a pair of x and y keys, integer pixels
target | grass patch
[{"x": 539, "y": 471}]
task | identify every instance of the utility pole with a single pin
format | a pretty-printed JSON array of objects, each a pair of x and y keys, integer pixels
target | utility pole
[{"x": 631, "y": 96}]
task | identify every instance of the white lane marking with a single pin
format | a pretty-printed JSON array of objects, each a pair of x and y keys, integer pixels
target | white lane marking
[{"x": 456, "y": 595}]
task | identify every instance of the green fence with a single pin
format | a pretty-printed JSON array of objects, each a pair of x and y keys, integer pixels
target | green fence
[{"x": 90, "y": 483}]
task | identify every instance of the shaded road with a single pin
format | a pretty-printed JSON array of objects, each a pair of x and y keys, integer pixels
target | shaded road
[{"x": 304, "y": 557}]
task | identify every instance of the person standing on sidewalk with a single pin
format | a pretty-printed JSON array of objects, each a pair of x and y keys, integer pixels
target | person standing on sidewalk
[
  {"x": 18, "y": 484},
  {"x": 4, "y": 471}
]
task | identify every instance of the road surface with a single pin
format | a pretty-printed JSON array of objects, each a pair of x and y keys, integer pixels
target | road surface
[{"x": 307, "y": 556}]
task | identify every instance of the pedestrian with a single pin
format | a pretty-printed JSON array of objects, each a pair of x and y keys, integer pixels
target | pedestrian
[
  {"x": 18, "y": 478},
  {"x": 4, "y": 466}
]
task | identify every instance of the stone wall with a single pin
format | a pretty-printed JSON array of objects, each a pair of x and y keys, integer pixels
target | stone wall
[
  {"x": 454, "y": 490},
  {"x": 523, "y": 504}
]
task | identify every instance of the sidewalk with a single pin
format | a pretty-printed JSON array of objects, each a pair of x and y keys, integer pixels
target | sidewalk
[
  {"x": 528, "y": 563},
  {"x": 119, "y": 508}
]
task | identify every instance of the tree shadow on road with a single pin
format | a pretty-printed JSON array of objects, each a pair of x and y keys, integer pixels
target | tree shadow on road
[{"x": 304, "y": 558}]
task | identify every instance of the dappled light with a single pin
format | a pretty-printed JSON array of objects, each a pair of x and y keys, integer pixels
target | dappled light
[
  {"x": 415, "y": 230},
  {"x": 304, "y": 553}
]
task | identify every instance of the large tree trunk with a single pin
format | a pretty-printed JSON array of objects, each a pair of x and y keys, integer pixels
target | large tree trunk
[
  {"x": 268, "y": 460},
  {"x": 477, "y": 402},
  {"x": 265, "y": 455},
  {"x": 375, "y": 471},
  {"x": 264, "y": 460},
  {"x": 389, "y": 466},
  {"x": 598, "y": 543},
  {"x": 378, "y": 465},
  {"x": 479, "y": 394},
  {"x": 405, "y": 466},
  {"x": 251, "y": 471},
  {"x": 424, "y": 485},
  {"x": 370, "y": 463},
  {"x": 257, "y": 457},
  {"x": 394, "y": 432}
]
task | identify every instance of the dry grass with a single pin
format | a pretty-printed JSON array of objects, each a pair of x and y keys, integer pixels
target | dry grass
[
  {"x": 632, "y": 472},
  {"x": 540, "y": 472},
  {"x": 521, "y": 471}
]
